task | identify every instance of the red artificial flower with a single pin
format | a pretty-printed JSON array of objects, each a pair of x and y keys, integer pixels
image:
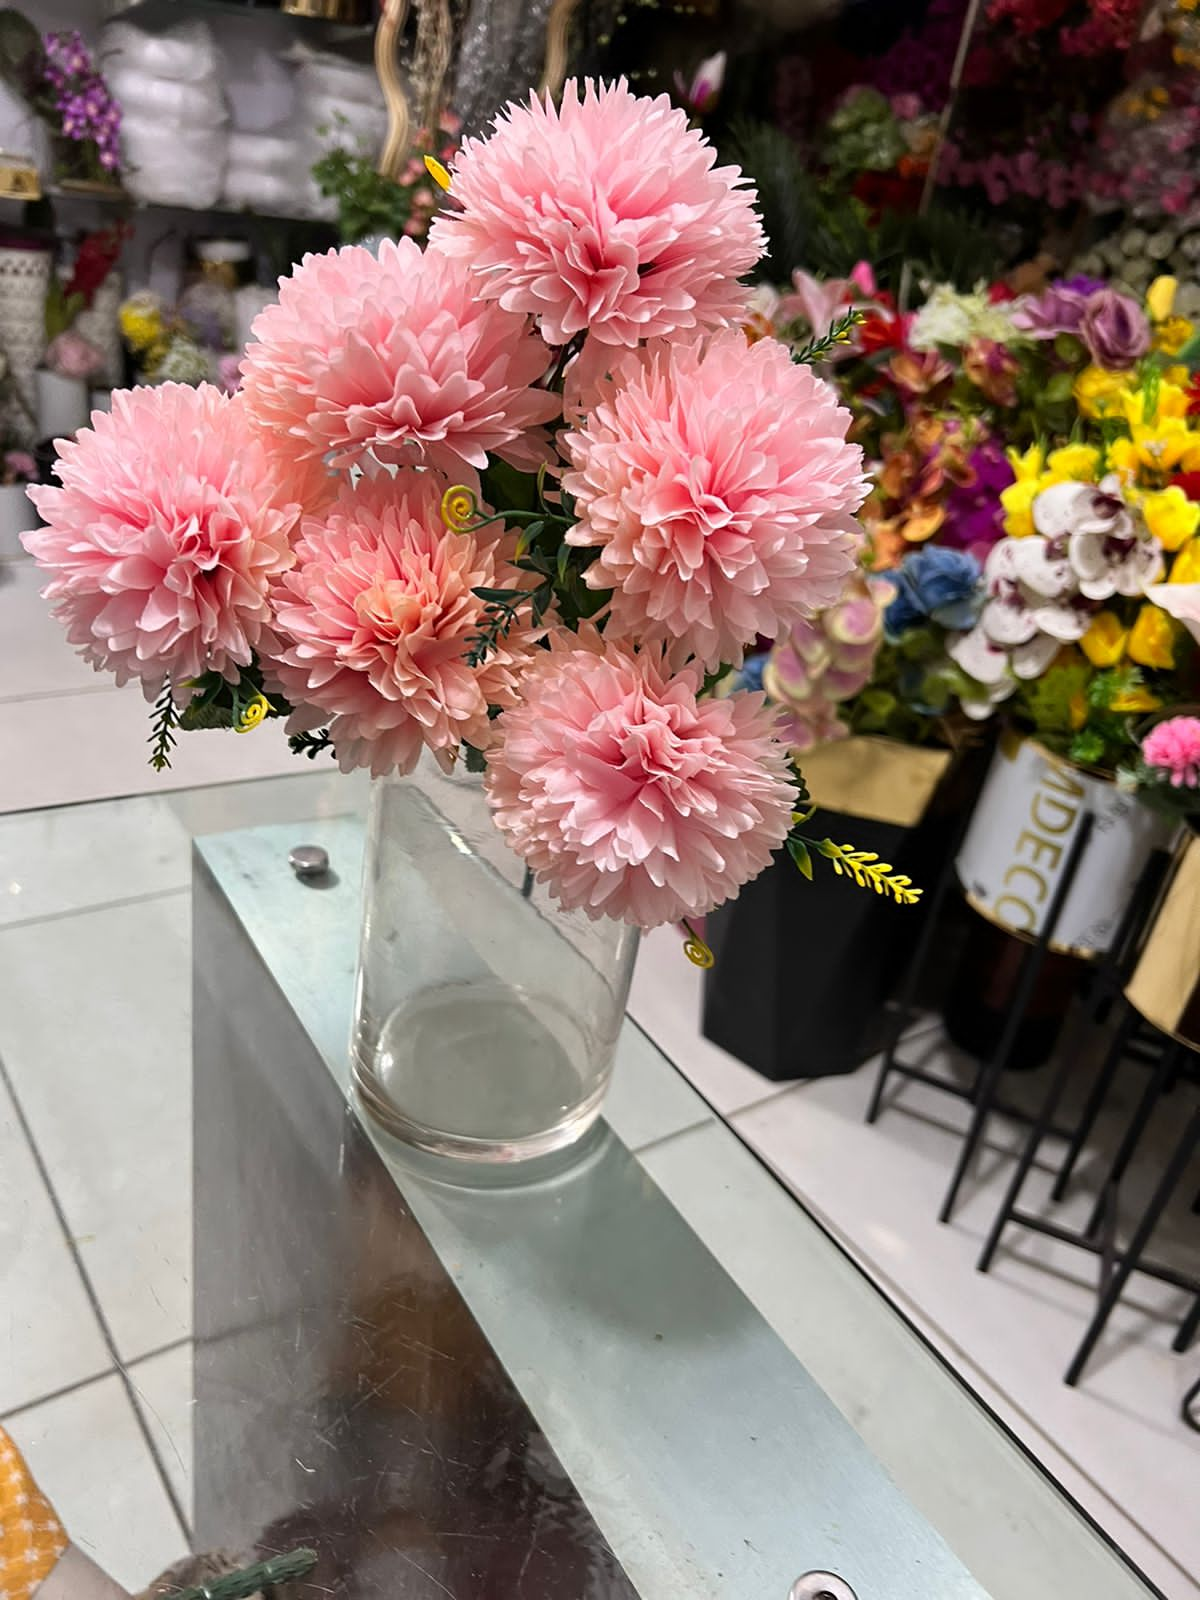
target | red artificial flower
[
  {"x": 878, "y": 331},
  {"x": 1189, "y": 482},
  {"x": 999, "y": 294},
  {"x": 1193, "y": 410},
  {"x": 96, "y": 258}
]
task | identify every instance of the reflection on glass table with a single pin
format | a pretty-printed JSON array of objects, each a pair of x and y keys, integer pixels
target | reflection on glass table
[{"x": 596, "y": 1384}]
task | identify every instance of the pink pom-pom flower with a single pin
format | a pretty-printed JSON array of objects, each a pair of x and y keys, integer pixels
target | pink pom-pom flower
[
  {"x": 396, "y": 356},
  {"x": 717, "y": 482},
  {"x": 164, "y": 537},
  {"x": 375, "y": 621},
  {"x": 1173, "y": 747},
  {"x": 605, "y": 215},
  {"x": 628, "y": 796}
]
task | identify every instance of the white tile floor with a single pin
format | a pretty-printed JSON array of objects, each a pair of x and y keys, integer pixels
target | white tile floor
[{"x": 95, "y": 1150}]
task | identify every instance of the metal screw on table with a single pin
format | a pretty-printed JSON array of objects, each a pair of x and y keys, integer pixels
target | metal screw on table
[
  {"x": 821, "y": 1586},
  {"x": 309, "y": 861}
]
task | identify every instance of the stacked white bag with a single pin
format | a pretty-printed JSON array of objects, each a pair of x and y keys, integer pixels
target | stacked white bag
[
  {"x": 174, "y": 116},
  {"x": 338, "y": 104}
]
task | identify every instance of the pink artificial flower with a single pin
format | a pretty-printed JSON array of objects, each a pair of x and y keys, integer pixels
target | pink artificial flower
[
  {"x": 604, "y": 215},
  {"x": 1174, "y": 746},
  {"x": 396, "y": 356},
  {"x": 164, "y": 535},
  {"x": 717, "y": 482},
  {"x": 73, "y": 356},
  {"x": 627, "y": 795},
  {"x": 374, "y": 623}
]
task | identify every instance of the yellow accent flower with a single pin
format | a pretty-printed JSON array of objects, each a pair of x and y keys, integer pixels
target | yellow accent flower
[
  {"x": 1078, "y": 461},
  {"x": 1077, "y": 708},
  {"x": 1160, "y": 297},
  {"x": 1171, "y": 335},
  {"x": 1134, "y": 700},
  {"x": 253, "y": 713},
  {"x": 1170, "y": 516},
  {"x": 1167, "y": 445},
  {"x": 1104, "y": 642},
  {"x": 1152, "y": 638},
  {"x": 1096, "y": 390},
  {"x": 1186, "y": 566},
  {"x": 437, "y": 172},
  {"x": 1017, "y": 501}
]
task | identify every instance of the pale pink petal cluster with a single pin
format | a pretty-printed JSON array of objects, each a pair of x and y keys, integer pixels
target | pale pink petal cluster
[
  {"x": 717, "y": 482},
  {"x": 374, "y": 623},
  {"x": 605, "y": 215},
  {"x": 396, "y": 356},
  {"x": 629, "y": 797},
  {"x": 164, "y": 536},
  {"x": 1174, "y": 746}
]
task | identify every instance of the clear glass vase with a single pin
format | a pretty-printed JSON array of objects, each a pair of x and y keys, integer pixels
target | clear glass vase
[{"x": 486, "y": 1019}]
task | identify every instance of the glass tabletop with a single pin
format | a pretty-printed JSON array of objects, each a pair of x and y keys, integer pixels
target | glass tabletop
[{"x": 731, "y": 1396}]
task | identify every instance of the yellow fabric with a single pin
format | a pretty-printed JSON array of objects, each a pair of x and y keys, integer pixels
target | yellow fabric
[{"x": 31, "y": 1536}]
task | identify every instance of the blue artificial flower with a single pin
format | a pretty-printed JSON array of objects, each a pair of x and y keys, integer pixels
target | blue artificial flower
[
  {"x": 934, "y": 584},
  {"x": 750, "y": 675}
]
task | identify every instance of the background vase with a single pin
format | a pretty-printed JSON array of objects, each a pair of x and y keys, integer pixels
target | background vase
[
  {"x": 63, "y": 404},
  {"x": 24, "y": 280},
  {"x": 486, "y": 1019},
  {"x": 17, "y": 516}
]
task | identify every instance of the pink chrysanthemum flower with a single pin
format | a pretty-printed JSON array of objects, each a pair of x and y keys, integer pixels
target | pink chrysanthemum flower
[
  {"x": 605, "y": 215},
  {"x": 629, "y": 797},
  {"x": 375, "y": 620},
  {"x": 718, "y": 484},
  {"x": 397, "y": 356},
  {"x": 164, "y": 536},
  {"x": 1174, "y": 747}
]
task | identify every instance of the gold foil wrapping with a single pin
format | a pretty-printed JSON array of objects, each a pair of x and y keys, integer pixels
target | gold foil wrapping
[
  {"x": 1165, "y": 986},
  {"x": 880, "y": 780}
]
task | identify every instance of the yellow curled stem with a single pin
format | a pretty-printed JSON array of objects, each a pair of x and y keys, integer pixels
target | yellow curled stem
[
  {"x": 695, "y": 949},
  {"x": 460, "y": 508},
  {"x": 253, "y": 712}
]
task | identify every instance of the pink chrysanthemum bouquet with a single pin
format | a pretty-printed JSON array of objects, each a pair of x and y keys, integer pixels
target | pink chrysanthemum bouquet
[{"x": 399, "y": 536}]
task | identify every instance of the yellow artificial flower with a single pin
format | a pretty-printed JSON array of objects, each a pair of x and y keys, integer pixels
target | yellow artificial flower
[
  {"x": 1096, "y": 390},
  {"x": 1163, "y": 446},
  {"x": 1186, "y": 566},
  {"x": 1077, "y": 708},
  {"x": 1104, "y": 642},
  {"x": 1172, "y": 334},
  {"x": 1134, "y": 700},
  {"x": 253, "y": 712},
  {"x": 1170, "y": 516},
  {"x": 1160, "y": 297},
  {"x": 1169, "y": 401},
  {"x": 1078, "y": 461},
  {"x": 1017, "y": 501},
  {"x": 1152, "y": 638}
]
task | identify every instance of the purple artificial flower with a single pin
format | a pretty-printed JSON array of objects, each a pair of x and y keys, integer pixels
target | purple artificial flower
[
  {"x": 1058, "y": 309},
  {"x": 1115, "y": 330},
  {"x": 1082, "y": 283},
  {"x": 974, "y": 517}
]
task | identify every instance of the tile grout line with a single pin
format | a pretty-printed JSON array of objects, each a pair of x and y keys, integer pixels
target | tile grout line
[
  {"x": 89, "y": 1289},
  {"x": 101, "y": 905},
  {"x": 94, "y": 1377}
]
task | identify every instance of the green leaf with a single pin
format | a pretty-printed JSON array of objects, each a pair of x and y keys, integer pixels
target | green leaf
[
  {"x": 474, "y": 759},
  {"x": 799, "y": 853},
  {"x": 508, "y": 489},
  {"x": 564, "y": 557}
]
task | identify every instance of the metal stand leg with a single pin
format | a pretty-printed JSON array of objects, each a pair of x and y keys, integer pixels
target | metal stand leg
[
  {"x": 1129, "y": 1258},
  {"x": 1187, "y": 1328},
  {"x": 1030, "y": 969},
  {"x": 1036, "y": 1135},
  {"x": 1095, "y": 1100},
  {"x": 1185, "y": 1409},
  {"x": 1133, "y": 1135},
  {"x": 914, "y": 970}
]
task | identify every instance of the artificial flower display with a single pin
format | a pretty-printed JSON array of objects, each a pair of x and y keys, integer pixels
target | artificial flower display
[
  {"x": 1166, "y": 770},
  {"x": 518, "y": 500}
]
